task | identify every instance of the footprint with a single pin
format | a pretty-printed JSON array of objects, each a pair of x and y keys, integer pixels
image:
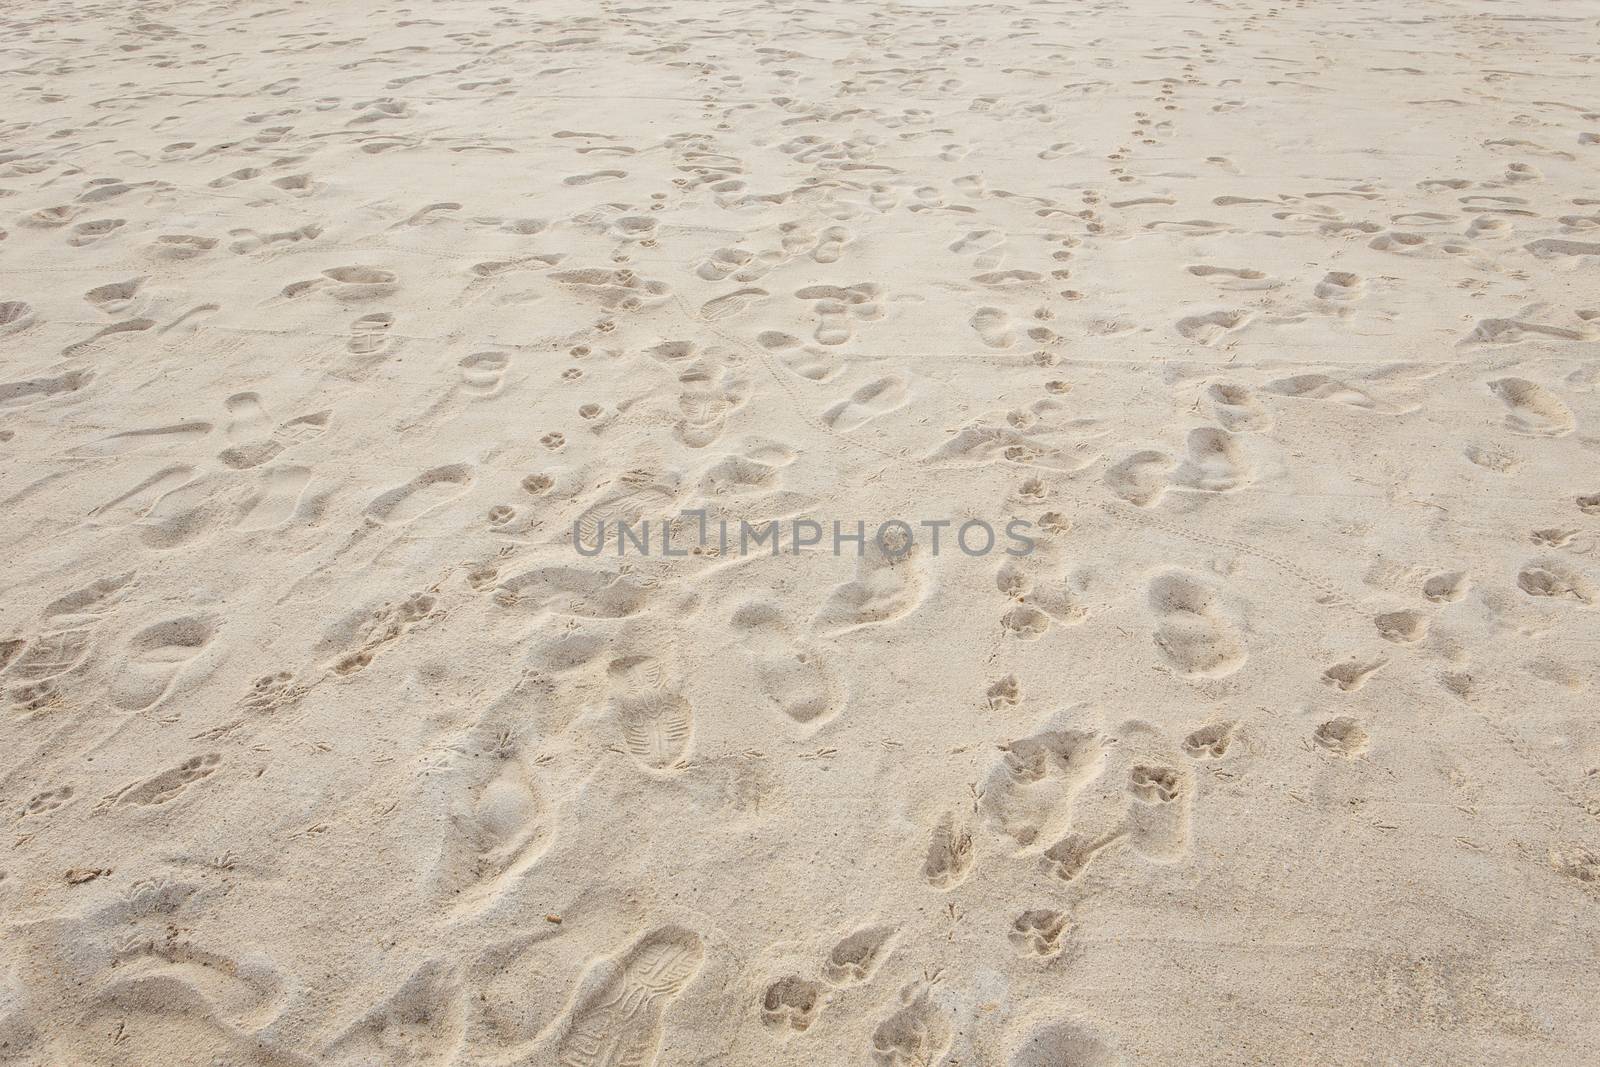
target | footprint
[
  {"x": 139, "y": 501},
  {"x": 47, "y": 801},
  {"x": 802, "y": 686},
  {"x": 1339, "y": 285},
  {"x": 1554, "y": 536},
  {"x": 1213, "y": 326},
  {"x": 1141, "y": 478},
  {"x": 276, "y": 500},
  {"x": 1159, "y": 815},
  {"x": 87, "y": 233},
  {"x": 831, "y": 244},
  {"x": 181, "y": 246},
  {"x": 168, "y": 785},
  {"x": 1532, "y": 410},
  {"x": 917, "y": 1035},
  {"x": 886, "y": 587},
  {"x": 1028, "y": 795},
  {"x": 730, "y": 304},
  {"x": 247, "y": 418},
  {"x": 950, "y": 854},
  {"x": 115, "y": 298},
  {"x": 286, "y": 436},
  {"x": 50, "y": 656},
  {"x": 1003, "y": 693},
  {"x": 1447, "y": 587},
  {"x": 1189, "y": 632},
  {"x": 1342, "y": 736},
  {"x": 791, "y": 1003},
  {"x": 1402, "y": 627},
  {"x": 1237, "y": 278},
  {"x": 369, "y": 334},
  {"x": 619, "y": 1023},
  {"x": 866, "y": 403},
  {"x": 500, "y": 829},
  {"x": 428, "y": 490},
  {"x": 360, "y": 635},
  {"x": 1320, "y": 387},
  {"x": 987, "y": 246},
  {"x": 89, "y": 344},
  {"x": 483, "y": 374},
  {"x": 723, "y": 262},
  {"x": 158, "y": 438},
  {"x": 1550, "y": 578},
  {"x": 1511, "y": 331},
  {"x": 857, "y": 958},
  {"x": 1038, "y": 932},
  {"x": 155, "y": 658},
  {"x": 836, "y": 305},
  {"x": 359, "y": 284},
  {"x": 15, "y": 316},
  {"x": 657, "y": 729},
  {"x": 994, "y": 327},
  {"x": 33, "y": 390},
  {"x": 420, "y": 1022},
  {"x": 1352, "y": 675},
  {"x": 594, "y": 176},
  {"x": 1210, "y": 742},
  {"x": 1238, "y": 409},
  {"x": 1215, "y": 463},
  {"x": 1065, "y": 1045}
]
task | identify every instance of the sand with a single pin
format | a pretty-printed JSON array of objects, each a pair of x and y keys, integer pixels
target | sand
[{"x": 336, "y": 340}]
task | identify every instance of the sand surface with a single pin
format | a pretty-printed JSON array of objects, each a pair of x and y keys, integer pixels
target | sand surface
[{"x": 333, "y": 334}]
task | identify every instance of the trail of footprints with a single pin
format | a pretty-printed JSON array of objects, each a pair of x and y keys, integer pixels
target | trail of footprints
[{"x": 796, "y": 276}]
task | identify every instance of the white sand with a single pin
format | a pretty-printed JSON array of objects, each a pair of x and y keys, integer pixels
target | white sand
[{"x": 325, "y": 323}]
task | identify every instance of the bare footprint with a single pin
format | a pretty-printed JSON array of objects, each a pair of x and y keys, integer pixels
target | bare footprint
[
  {"x": 868, "y": 402},
  {"x": 428, "y": 490}
]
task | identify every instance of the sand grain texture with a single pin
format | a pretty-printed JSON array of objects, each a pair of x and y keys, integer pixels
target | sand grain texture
[{"x": 327, "y": 329}]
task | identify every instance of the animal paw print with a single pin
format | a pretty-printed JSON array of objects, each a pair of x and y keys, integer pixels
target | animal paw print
[
  {"x": 1210, "y": 741},
  {"x": 792, "y": 1003},
  {"x": 168, "y": 785},
  {"x": 553, "y": 441},
  {"x": 1038, "y": 932},
  {"x": 1004, "y": 693},
  {"x": 47, "y": 801}
]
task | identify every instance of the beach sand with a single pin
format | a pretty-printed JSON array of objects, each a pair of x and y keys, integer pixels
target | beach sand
[{"x": 336, "y": 338}]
